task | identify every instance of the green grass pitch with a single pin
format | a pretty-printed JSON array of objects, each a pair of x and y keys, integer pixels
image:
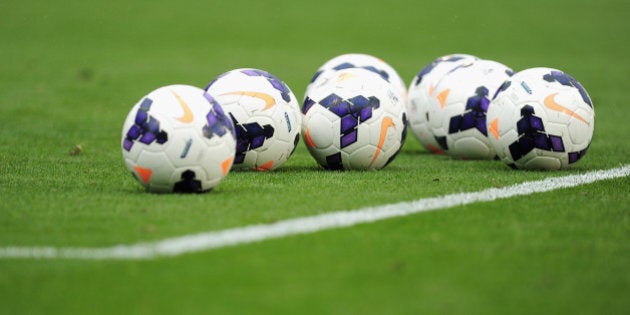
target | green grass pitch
[{"x": 71, "y": 70}]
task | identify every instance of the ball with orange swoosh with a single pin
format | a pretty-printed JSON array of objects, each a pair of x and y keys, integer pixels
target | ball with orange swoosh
[
  {"x": 422, "y": 89},
  {"x": 355, "y": 121},
  {"x": 456, "y": 110},
  {"x": 178, "y": 139},
  {"x": 541, "y": 118},
  {"x": 265, "y": 113},
  {"x": 369, "y": 62}
]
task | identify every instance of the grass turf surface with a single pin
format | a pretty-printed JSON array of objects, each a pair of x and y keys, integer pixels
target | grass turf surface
[{"x": 72, "y": 71}]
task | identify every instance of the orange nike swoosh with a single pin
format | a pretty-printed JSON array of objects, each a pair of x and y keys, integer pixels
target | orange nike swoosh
[
  {"x": 268, "y": 99},
  {"x": 442, "y": 96},
  {"x": 144, "y": 173},
  {"x": 494, "y": 128},
  {"x": 344, "y": 75},
  {"x": 265, "y": 167},
  {"x": 386, "y": 123},
  {"x": 550, "y": 103},
  {"x": 307, "y": 138},
  {"x": 226, "y": 165},
  {"x": 188, "y": 116}
]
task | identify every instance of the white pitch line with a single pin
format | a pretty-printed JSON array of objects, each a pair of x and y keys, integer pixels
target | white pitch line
[{"x": 255, "y": 233}]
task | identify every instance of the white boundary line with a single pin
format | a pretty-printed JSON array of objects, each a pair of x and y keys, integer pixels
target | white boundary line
[{"x": 255, "y": 233}]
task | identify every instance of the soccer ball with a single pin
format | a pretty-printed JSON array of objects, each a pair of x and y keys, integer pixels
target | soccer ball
[
  {"x": 356, "y": 121},
  {"x": 422, "y": 88},
  {"x": 456, "y": 113},
  {"x": 177, "y": 139},
  {"x": 541, "y": 118},
  {"x": 265, "y": 113},
  {"x": 328, "y": 70}
]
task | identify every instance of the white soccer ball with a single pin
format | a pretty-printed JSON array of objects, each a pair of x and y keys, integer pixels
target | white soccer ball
[
  {"x": 541, "y": 118},
  {"x": 177, "y": 139},
  {"x": 422, "y": 88},
  {"x": 356, "y": 121},
  {"x": 328, "y": 70},
  {"x": 265, "y": 113},
  {"x": 456, "y": 113}
]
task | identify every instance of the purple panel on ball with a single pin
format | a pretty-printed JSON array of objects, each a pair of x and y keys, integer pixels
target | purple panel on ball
[
  {"x": 127, "y": 144},
  {"x": 257, "y": 142},
  {"x": 576, "y": 156},
  {"x": 239, "y": 158},
  {"x": 340, "y": 109},
  {"x": 331, "y": 100},
  {"x": 218, "y": 110},
  {"x": 308, "y": 103},
  {"x": 348, "y": 123},
  {"x": 345, "y": 65},
  {"x": 349, "y": 139},
  {"x": 141, "y": 117},
  {"x": 481, "y": 126},
  {"x": 540, "y": 141},
  {"x": 484, "y": 104},
  {"x": 153, "y": 125},
  {"x": 277, "y": 84},
  {"x": 525, "y": 145},
  {"x": 515, "y": 151},
  {"x": 254, "y": 129},
  {"x": 134, "y": 132},
  {"x": 359, "y": 101},
  {"x": 522, "y": 126},
  {"x": 147, "y": 138},
  {"x": 374, "y": 102},
  {"x": 333, "y": 161},
  {"x": 556, "y": 143},
  {"x": 454, "y": 124},
  {"x": 365, "y": 114},
  {"x": 162, "y": 137},
  {"x": 209, "y": 98},
  {"x": 211, "y": 118},
  {"x": 146, "y": 104},
  {"x": 251, "y": 72},
  {"x": 536, "y": 123},
  {"x": 468, "y": 121},
  {"x": 242, "y": 145},
  {"x": 316, "y": 75}
]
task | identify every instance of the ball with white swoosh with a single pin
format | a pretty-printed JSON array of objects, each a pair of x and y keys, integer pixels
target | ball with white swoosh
[
  {"x": 178, "y": 139},
  {"x": 541, "y": 118},
  {"x": 356, "y": 120},
  {"x": 265, "y": 113}
]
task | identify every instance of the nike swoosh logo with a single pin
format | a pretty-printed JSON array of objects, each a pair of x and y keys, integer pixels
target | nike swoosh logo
[
  {"x": 268, "y": 99},
  {"x": 307, "y": 138},
  {"x": 550, "y": 103},
  {"x": 385, "y": 124},
  {"x": 188, "y": 116},
  {"x": 494, "y": 128},
  {"x": 144, "y": 173},
  {"x": 344, "y": 76},
  {"x": 442, "y": 96},
  {"x": 265, "y": 167},
  {"x": 226, "y": 165}
]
